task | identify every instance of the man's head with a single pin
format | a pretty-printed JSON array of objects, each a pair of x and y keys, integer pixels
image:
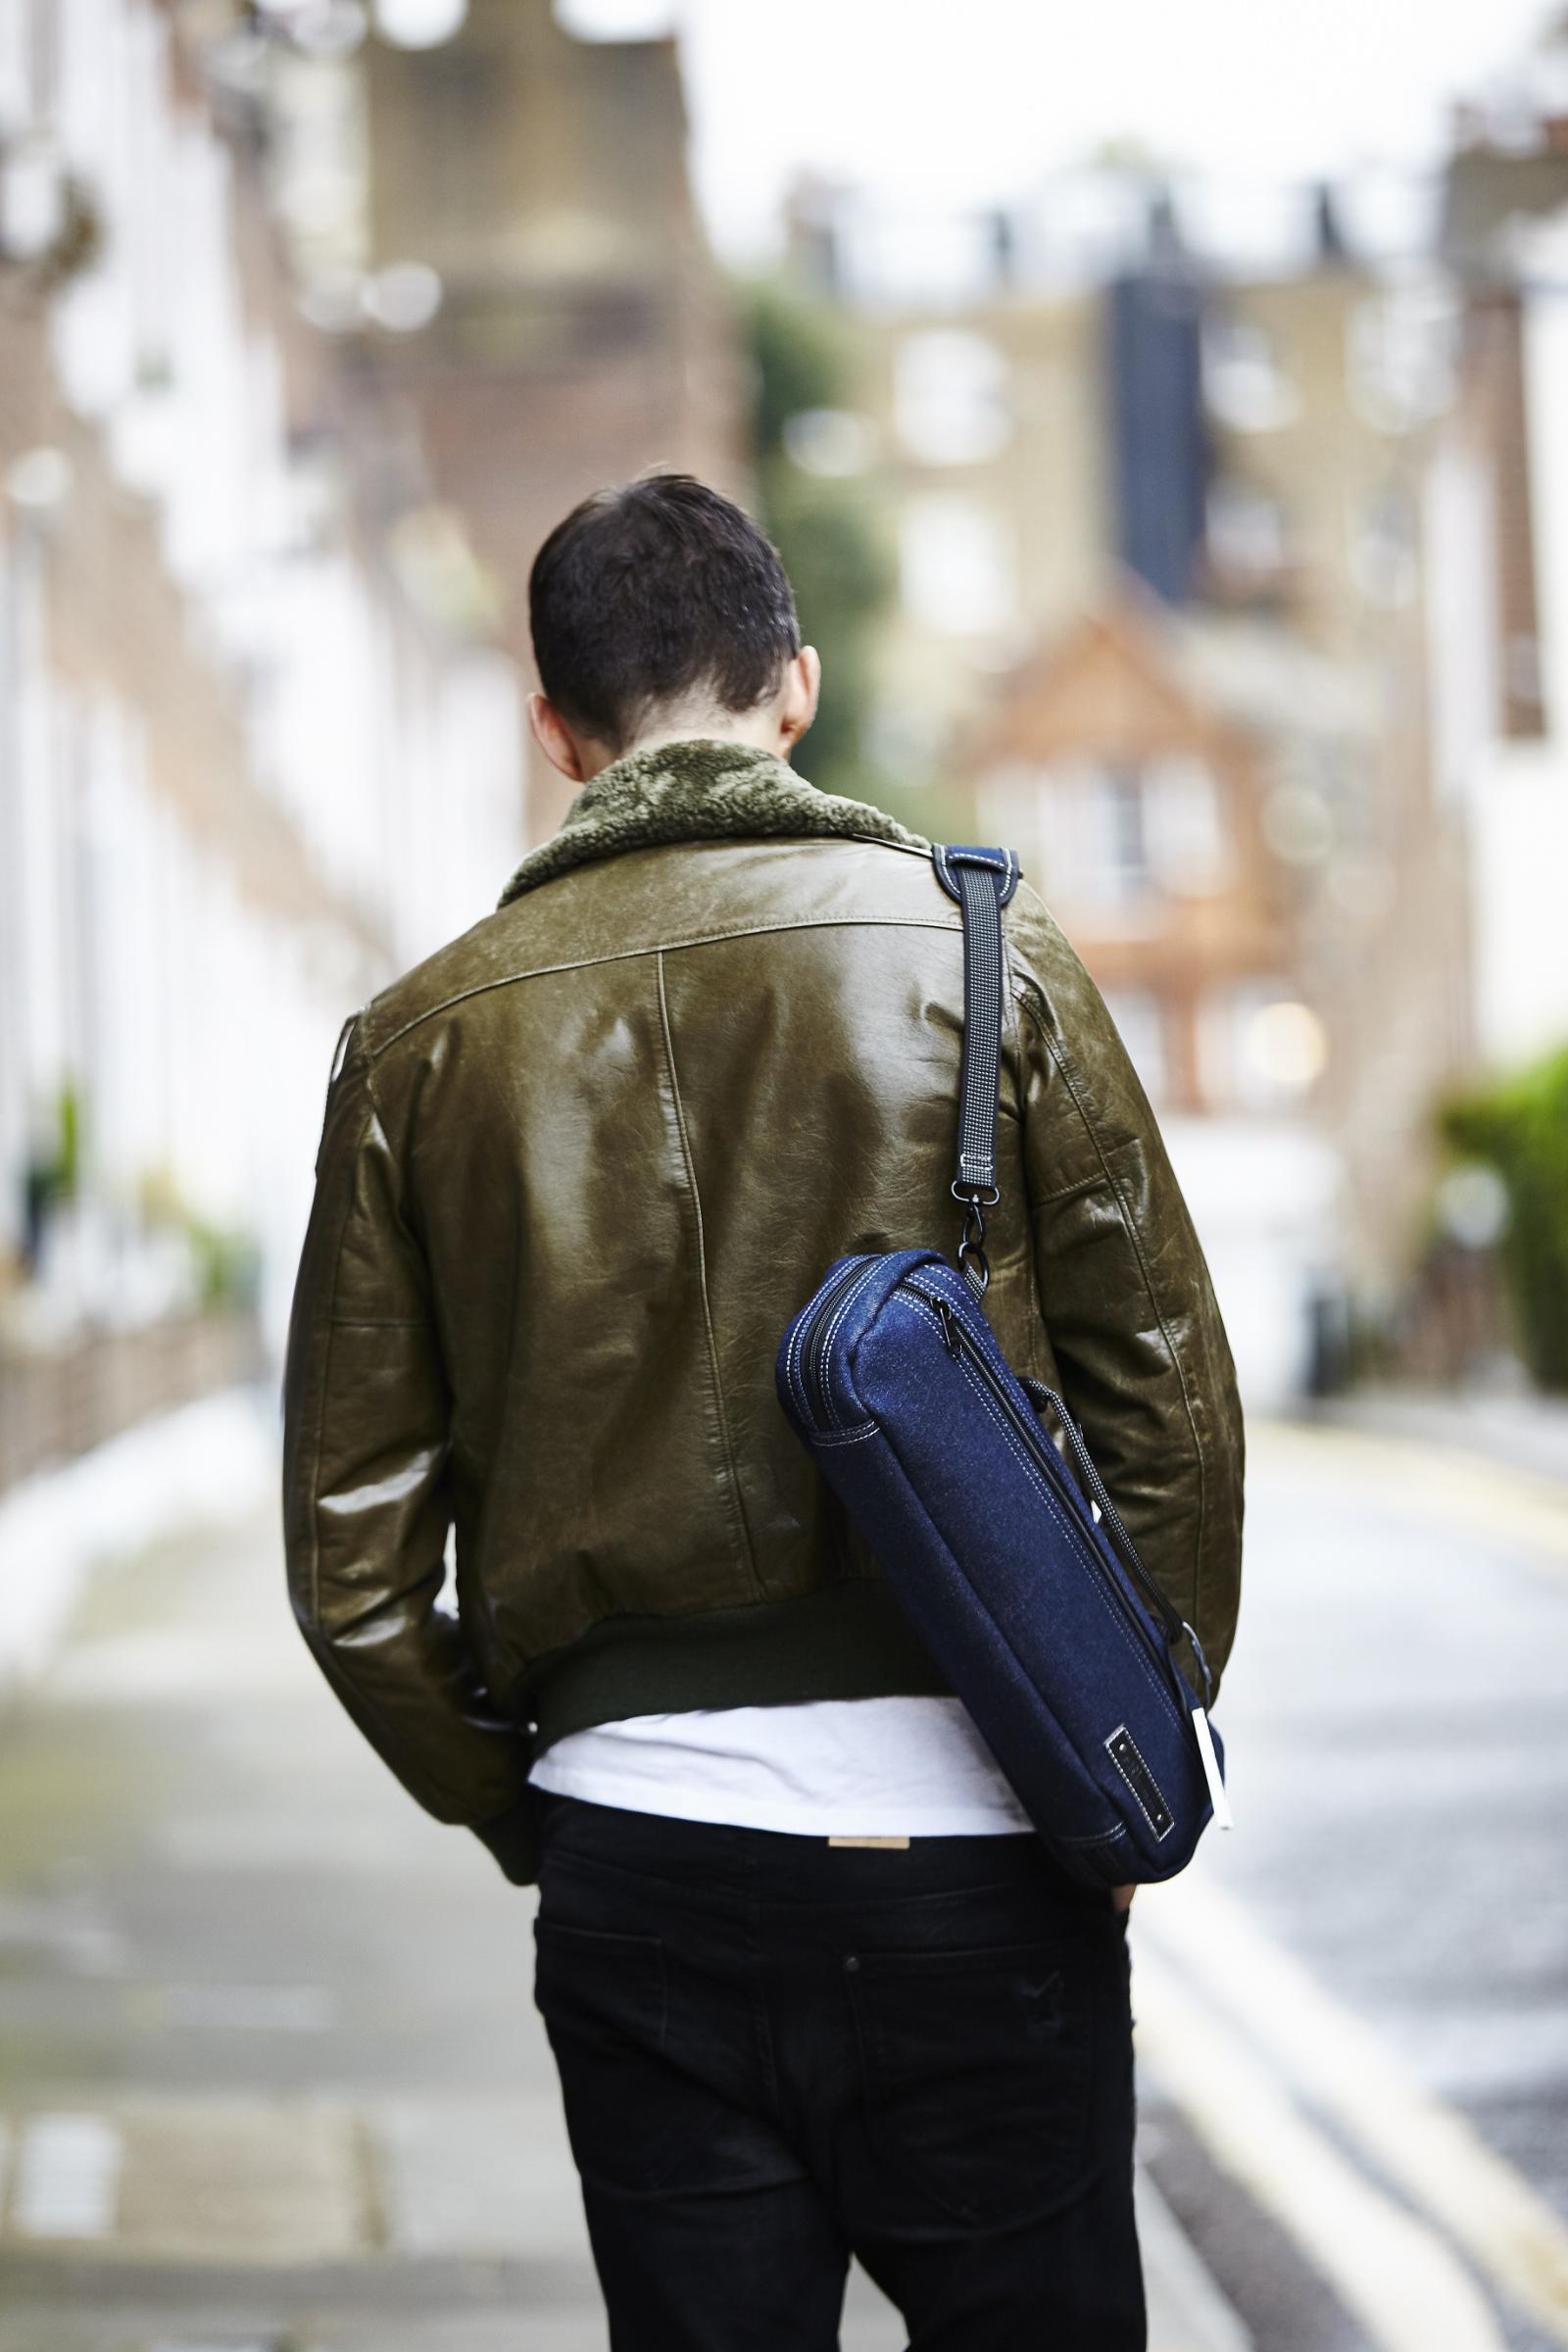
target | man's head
[{"x": 659, "y": 612}]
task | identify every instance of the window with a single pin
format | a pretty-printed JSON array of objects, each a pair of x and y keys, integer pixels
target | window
[
  {"x": 1399, "y": 356},
  {"x": 1114, "y": 842},
  {"x": 1034, "y": 807},
  {"x": 616, "y": 20},
  {"x": 1245, "y": 534},
  {"x": 958, "y": 568},
  {"x": 1113, "y": 839},
  {"x": 950, "y": 398},
  {"x": 1188, "y": 848},
  {"x": 1384, "y": 553},
  {"x": 1244, "y": 384},
  {"x": 20, "y": 68}
]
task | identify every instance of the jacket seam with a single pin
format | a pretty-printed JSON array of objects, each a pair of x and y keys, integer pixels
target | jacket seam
[
  {"x": 1060, "y": 1055},
  {"x": 669, "y": 947},
  {"x": 732, "y": 1474}
]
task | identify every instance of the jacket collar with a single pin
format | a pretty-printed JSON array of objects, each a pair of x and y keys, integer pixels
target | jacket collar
[{"x": 703, "y": 790}]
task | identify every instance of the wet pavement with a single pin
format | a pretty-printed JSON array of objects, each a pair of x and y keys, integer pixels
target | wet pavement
[{"x": 271, "y": 2075}]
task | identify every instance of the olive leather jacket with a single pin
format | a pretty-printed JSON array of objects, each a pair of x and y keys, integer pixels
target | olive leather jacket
[{"x": 579, "y": 1169}]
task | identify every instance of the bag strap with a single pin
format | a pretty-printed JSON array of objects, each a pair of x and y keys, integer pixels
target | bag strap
[{"x": 982, "y": 881}]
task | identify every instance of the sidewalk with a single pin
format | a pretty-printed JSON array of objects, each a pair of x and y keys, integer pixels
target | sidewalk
[
  {"x": 1524, "y": 1432},
  {"x": 270, "y": 2071},
  {"x": 206, "y": 1464},
  {"x": 424, "y": 2221}
]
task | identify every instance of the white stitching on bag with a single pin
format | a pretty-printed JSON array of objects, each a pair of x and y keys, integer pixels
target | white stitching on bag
[
  {"x": 797, "y": 1378},
  {"x": 1134, "y": 1650},
  {"x": 1122, "y": 1733},
  {"x": 844, "y": 1306}
]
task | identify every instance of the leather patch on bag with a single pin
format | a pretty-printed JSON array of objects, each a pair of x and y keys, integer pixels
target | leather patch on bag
[{"x": 1122, "y": 1749}]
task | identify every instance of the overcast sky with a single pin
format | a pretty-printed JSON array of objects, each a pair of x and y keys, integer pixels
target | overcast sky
[{"x": 967, "y": 101}]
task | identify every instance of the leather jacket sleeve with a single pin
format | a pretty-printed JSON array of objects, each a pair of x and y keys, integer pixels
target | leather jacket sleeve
[
  {"x": 366, "y": 1495},
  {"x": 1124, "y": 1288}
]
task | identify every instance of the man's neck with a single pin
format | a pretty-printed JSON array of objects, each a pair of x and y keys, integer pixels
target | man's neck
[{"x": 711, "y": 727}]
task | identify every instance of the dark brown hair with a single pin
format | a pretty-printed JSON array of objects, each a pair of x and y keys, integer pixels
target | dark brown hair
[{"x": 653, "y": 592}]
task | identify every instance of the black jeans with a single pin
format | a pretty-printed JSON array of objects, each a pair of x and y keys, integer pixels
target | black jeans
[{"x": 775, "y": 2053}]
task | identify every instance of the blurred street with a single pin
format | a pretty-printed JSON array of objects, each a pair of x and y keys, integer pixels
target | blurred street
[
  {"x": 1166, "y": 433},
  {"x": 270, "y": 2074}
]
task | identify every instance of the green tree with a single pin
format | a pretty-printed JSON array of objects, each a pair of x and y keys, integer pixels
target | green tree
[
  {"x": 1520, "y": 1127},
  {"x": 824, "y": 526}
]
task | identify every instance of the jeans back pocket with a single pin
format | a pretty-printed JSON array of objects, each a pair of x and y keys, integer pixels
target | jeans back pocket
[{"x": 977, "y": 2072}]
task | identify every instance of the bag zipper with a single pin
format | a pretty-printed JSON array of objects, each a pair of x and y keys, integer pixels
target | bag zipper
[
  {"x": 955, "y": 1337},
  {"x": 810, "y": 1346},
  {"x": 1174, "y": 1625}
]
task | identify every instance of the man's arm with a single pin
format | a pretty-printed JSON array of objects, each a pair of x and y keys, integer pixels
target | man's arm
[
  {"x": 1124, "y": 1288},
  {"x": 365, "y": 1488}
]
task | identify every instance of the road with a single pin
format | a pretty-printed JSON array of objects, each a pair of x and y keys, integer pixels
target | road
[
  {"x": 1353, "y": 2010},
  {"x": 271, "y": 2077}
]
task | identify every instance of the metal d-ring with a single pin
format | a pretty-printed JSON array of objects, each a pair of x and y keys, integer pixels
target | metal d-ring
[{"x": 973, "y": 1264}]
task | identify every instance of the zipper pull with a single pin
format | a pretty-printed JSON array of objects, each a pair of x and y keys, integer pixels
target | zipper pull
[
  {"x": 1224, "y": 1818},
  {"x": 949, "y": 1335},
  {"x": 1203, "y": 1662}
]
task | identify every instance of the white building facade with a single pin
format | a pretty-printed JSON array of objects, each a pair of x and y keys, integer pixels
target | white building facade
[{"x": 246, "y": 770}]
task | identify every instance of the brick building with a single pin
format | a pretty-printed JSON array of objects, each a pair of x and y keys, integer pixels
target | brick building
[{"x": 1139, "y": 805}]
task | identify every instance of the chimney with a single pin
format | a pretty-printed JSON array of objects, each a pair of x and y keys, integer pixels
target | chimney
[
  {"x": 1330, "y": 249},
  {"x": 1001, "y": 239},
  {"x": 1164, "y": 231},
  {"x": 811, "y": 231}
]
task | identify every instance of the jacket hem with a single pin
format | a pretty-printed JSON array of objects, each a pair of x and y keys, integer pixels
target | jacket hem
[{"x": 845, "y": 1640}]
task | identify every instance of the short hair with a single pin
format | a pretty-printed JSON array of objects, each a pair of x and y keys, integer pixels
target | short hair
[{"x": 647, "y": 594}]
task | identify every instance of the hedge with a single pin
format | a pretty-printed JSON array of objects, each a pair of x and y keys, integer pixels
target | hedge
[{"x": 1519, "y": 1125}]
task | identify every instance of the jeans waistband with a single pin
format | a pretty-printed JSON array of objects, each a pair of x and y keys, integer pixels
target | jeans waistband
[{"x": 719, "y": 1858}]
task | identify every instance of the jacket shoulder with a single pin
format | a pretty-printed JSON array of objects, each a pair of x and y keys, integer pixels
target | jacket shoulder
[
  {"x": 1047, "y": 968},
  {"x": 476, "y": 959},
  {"x": 673, "y": 896}
]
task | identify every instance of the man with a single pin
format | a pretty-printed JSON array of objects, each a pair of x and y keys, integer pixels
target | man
[{"x": 814, "y": 1985}]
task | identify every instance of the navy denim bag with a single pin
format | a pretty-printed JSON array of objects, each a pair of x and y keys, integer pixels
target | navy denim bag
[{"x": 1010, "y": 1561}]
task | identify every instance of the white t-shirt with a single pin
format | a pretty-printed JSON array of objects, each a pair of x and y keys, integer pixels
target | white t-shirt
[{"x": 832, "y": 1768}]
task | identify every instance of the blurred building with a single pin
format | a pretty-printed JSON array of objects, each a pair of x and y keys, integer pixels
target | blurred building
[
  {"x": 248, "y": 763},
  {"x": 310, "y": 337},
  {"x": 1163, "y": 584},
  {"x": 986, "y": 431},
  {"x": 1498, "y": 523},
  {"x": 1139, "y": 801},
  {"x": 502, "y": 230},
  {"x": 1137, "y": 763}
]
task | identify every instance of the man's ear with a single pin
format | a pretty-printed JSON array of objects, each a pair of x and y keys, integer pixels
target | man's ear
[
  {"x": 556, "y": 739},
  {"x": 803, "y": 687}
]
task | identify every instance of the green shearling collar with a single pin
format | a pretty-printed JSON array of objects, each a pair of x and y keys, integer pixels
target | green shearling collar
[{"x": 703, "y": 790}]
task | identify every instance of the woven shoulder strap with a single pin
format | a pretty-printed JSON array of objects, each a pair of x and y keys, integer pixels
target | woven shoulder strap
[{"x": 982, "y": 880}]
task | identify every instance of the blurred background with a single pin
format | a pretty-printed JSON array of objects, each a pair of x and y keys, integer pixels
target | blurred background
[{"x": 1163, "y": 417}]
